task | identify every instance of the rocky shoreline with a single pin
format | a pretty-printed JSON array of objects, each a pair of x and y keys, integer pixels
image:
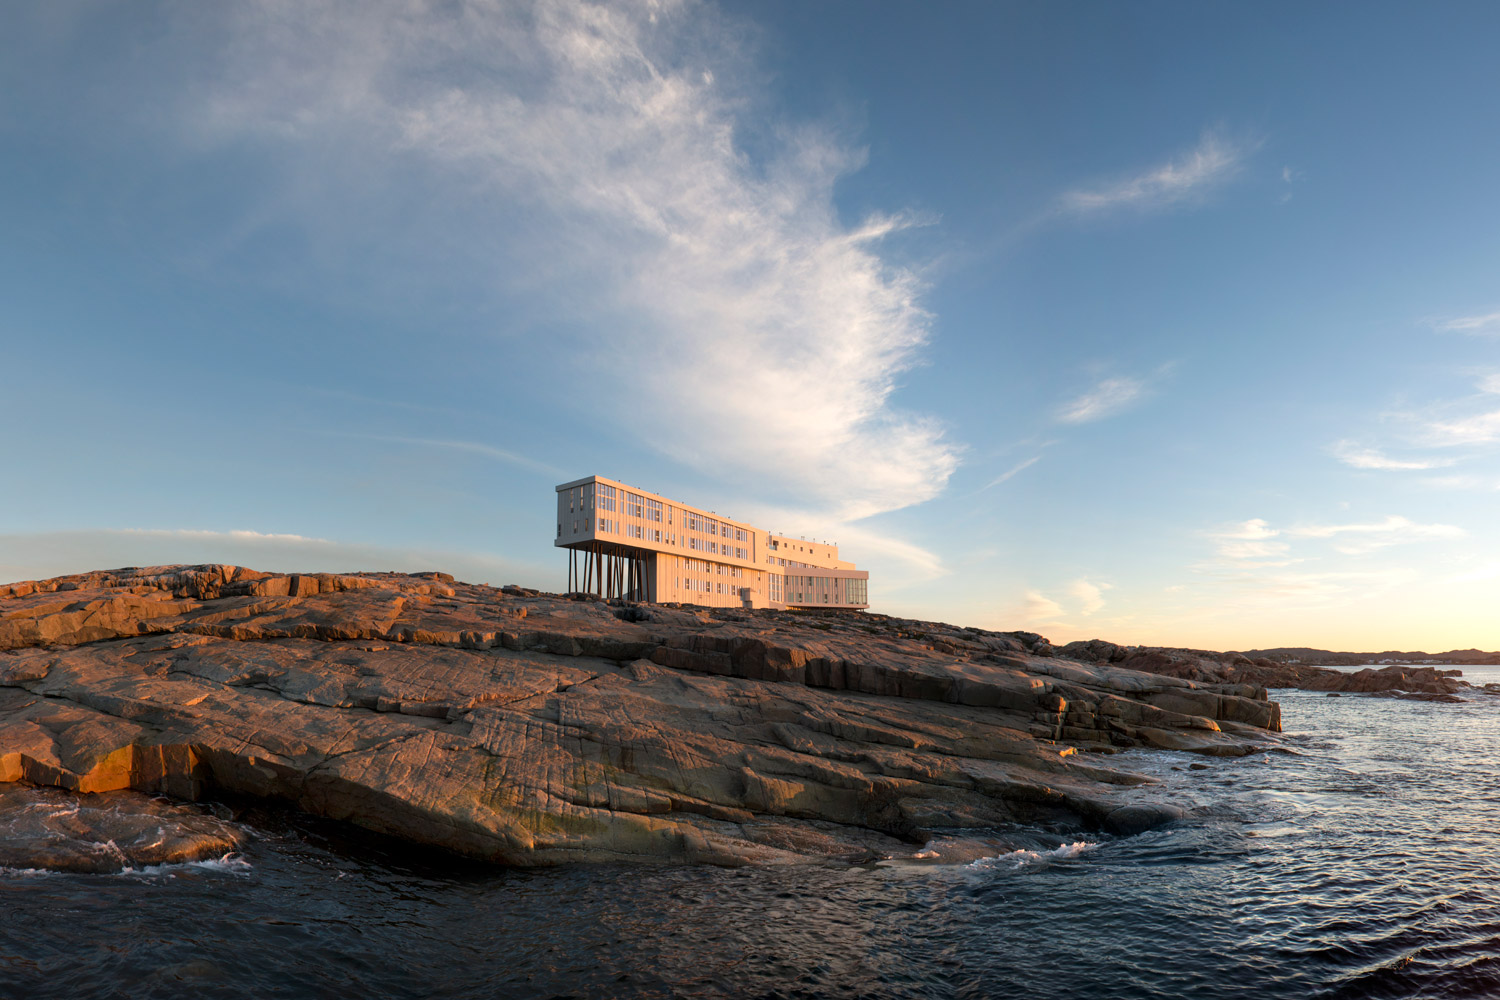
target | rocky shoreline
[
  {"x": 1211, "y": 667},
  {"x": 527, "y": 728}
]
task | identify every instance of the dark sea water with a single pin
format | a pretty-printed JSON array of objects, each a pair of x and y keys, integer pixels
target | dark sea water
[{"x": 1363, "y": 863}]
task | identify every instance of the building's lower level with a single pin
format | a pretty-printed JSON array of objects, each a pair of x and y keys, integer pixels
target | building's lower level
[{"x": 629, "y": 543}]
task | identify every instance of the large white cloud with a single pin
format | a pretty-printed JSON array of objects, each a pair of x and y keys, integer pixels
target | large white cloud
[{"x": 739, "y": 320}]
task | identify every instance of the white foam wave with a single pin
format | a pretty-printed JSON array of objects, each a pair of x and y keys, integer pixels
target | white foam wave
[
  {"x": 1023, "y": 858},
  {"x": 232, "y": 863}
]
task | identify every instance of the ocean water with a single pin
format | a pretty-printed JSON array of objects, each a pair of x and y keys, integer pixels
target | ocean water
[{"x": 1362, "y": 862}]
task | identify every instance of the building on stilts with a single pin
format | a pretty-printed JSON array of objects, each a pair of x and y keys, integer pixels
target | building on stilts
[{"x": 632, "y": 544}]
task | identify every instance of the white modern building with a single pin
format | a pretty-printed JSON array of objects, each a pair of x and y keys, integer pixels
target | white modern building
[{"x": 628, "y": 542}]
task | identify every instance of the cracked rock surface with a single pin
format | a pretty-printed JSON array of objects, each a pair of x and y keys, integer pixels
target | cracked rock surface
[{"x": 530, "y": 728}]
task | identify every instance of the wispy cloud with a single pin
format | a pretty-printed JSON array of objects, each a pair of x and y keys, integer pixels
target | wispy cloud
[
  {"x": 1454, "y": 430},
  {"x": 473, "y": 448},
  {"x": 1360, "y": 538},
  {"x": 1475, "y": 429},
  {"x": 1107, "y": 398},
  {"x": 1463, "y": 422},
  {"x": 901, "y": 564},
  {"x": 1010, "y": 473},
  {"x": 1286, "y": 591},
  {"x": 1249, "y": 540},
  {"x": 238, "y": 535},
  {"x": 1462, "y": 482},
  {"x": 1089, "y": 594},
  {"x": 1353, "y": 455},
  {"x": 1485, "y": 323},
  {"x": 1039, "y": 607},
  {"x": 1288, "y": 177},
  {"x": 735, "y": 313},
  {"x": 1253, "y": 547},
  {"x": 1214, "y": 160}
]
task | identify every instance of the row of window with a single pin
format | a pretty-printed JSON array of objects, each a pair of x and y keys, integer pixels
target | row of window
[
  {"x": 711, "y": 568},
  {"x": 705, "y": 587},
  {"x": 609, "y": 525},
  {"x": 586, "y": 497},
  {"x": 704, "y": 568},
  {"x": 705, "y": 525},
  {"x": 823, "y": 590},
  {"x": 583, "y": 497}
]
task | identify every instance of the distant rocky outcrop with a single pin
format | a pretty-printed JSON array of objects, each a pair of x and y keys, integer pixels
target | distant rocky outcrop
[
  {"x": 1329, "y": 657},
  {"x": 531, "y": 728},
  {"x": 1236, "y": 668}
]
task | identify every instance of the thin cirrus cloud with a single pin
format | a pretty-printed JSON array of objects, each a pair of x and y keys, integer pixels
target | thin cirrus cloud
[
  {"x": 470, "y": 447},
  {"x": 1107, "y": 398},
  {"x": 236, "y": 534},
  {"x": 1010, "y": 473},
  {"x": 1362, "y": 537},
  {"x": 735, "y": 312},
  {"x": 1476, "y": 429},
  {"x": 1214, "y": 160},
  {"x": 1357, "y": 457},
  {"x": 1090, "y": 595},
  {"x": 1486, "y": 323},
  {"x": 1255, "y": 539},
  {"x": 1463, "y": 423},
  {"x": 1039, "y": 607}
]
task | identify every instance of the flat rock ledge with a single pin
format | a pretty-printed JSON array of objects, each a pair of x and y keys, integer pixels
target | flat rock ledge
[{"x": 528, "y": 728}]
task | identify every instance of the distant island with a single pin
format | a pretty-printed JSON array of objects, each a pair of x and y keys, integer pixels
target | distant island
[{"x": 1330, "y": 658}]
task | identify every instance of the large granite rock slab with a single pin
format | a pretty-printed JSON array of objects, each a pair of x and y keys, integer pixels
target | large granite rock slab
[{"x": 531, "y": 728}]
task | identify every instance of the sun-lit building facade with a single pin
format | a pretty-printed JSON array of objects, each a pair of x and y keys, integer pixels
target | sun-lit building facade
[{"x": 631, "y": 543}]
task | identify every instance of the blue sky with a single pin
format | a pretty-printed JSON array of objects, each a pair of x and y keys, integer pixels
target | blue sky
[{"x": 1170, "y": 323}]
